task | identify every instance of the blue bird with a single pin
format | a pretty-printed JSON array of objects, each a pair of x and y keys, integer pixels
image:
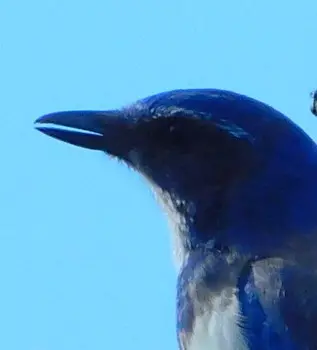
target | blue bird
[{"x": 238, "y": 180}]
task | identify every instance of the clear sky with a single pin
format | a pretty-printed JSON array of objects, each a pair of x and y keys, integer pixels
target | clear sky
[{"x": 85, "y": 258}]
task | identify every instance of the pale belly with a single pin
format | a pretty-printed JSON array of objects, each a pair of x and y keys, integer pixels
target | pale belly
[{"x": 219, "y": 330}]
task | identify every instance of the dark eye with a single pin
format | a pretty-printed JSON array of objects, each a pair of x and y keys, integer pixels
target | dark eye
[
  {"x": 176, "y": 133},
  {"x": 163, "y": 132}
]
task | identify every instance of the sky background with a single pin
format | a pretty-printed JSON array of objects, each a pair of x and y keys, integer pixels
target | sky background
[{"x": 85, "y": 259}]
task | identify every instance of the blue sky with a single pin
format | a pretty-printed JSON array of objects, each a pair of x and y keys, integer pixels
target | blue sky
[{"x": 85, "y": 258}]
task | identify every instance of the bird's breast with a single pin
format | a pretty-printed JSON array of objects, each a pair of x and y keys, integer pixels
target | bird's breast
[{"x": 218, "y": 327}]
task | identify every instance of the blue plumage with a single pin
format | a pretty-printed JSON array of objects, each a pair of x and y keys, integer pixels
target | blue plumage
[{"x": 239, "y": 182}]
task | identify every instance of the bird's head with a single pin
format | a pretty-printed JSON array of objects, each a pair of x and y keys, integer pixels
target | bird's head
[{"x": 207, "y": 153}]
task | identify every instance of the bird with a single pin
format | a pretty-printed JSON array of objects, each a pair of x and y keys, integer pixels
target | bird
[{"x": 238, "y": 182}]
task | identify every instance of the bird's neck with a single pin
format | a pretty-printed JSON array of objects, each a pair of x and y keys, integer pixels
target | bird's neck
[{"x": 252, "y": 218}]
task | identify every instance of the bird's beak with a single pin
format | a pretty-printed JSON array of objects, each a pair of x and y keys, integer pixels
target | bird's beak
[{"x": 99, "y": 130}]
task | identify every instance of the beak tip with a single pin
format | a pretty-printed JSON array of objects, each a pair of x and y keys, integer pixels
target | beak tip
[
  {"x": 37, "y": 121},
  {"x": 53, "y": 118}
]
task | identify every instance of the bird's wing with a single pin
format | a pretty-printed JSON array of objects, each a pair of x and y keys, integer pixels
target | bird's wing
[
  {"x": 286, "y": 294},
  {"x": 299, "y": 304}
]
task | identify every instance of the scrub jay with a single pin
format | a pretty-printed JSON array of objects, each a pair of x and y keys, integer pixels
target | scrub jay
[{"x": 238, "y": 180}]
